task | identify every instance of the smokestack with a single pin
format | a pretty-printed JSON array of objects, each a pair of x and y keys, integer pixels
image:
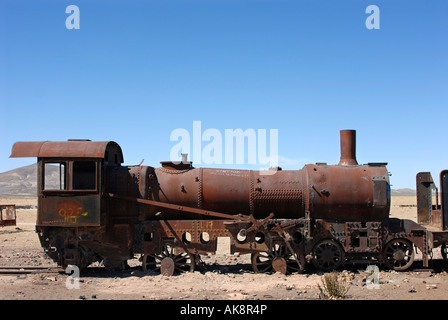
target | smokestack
[{"x": 348, "y": 148}]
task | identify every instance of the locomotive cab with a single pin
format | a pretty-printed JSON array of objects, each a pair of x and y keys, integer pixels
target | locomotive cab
[
  {"x": 72, "y": 214},
  {"x": 70, "y": 180}
]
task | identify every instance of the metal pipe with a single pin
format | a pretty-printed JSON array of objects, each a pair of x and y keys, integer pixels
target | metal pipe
[{"x": 348, "y": 148}]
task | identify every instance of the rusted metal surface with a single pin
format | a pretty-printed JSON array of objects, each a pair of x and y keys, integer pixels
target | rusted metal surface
[
  {"x": 348, "y": 148},
  {"x": 426, "y": 213},
  {"x": 70, "y": 211},
  {"x": 191, "y": 236},
  {"x": 8, "y": 215},
  {"x": 68, "y": 149},
  {"x": 363, "y": 237},
  {"x": 183, "y": 208},
  {"x": 332, "y": 192},
  {"x": 347, "y": 192},
  {"x": 432, "y": 214},
  {"x": 429, "y": 211},
  {"x": 444, "y": 198}
]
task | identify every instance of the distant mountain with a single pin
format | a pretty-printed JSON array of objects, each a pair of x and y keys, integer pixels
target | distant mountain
[
  {"x": 19, "y": 182},
  {"x": 22, "y": 182},
  {"x": 403, "y": 192}
]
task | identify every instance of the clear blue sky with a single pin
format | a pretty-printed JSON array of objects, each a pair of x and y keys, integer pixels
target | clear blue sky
[{"x": 137, "y": 70}]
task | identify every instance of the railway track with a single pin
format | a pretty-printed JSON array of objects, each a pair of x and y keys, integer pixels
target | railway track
[{"x": 5, "y": 270}]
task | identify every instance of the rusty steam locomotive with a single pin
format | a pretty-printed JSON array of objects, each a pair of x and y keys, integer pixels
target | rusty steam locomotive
[{"x": 329, "y": 215}]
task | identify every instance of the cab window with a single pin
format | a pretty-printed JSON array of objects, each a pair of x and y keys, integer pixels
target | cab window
[
  {"x": 84, "y": 175},
  {"x": 55, "y": 176}
]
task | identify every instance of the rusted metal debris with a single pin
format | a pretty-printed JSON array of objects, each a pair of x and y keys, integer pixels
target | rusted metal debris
[
  {"x": 28, "y": 269},
  {"x": 8, "y": 215}
]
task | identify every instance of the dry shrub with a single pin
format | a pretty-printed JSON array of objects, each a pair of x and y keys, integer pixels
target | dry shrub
[{"x": 334, "y": 286}]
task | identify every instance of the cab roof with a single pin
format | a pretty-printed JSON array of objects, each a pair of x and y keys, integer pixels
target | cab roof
[{"x": 67, "y": 149}]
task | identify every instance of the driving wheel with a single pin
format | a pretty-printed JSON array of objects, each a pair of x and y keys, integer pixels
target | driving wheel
[
  {"x": 278, "y": 259},
  {"x": 168, "y": 262}
]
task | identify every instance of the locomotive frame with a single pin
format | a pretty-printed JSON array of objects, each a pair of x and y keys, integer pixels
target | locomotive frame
[{"x": 332, "y": 215}]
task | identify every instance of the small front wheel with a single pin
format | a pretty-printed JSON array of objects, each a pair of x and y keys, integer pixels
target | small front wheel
[
  {"x": 398, "y": 254},
  {"x": 328, "y": 255}
]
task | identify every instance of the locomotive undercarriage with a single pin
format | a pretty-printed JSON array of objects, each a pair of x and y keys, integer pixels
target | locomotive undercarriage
[
  {"x": 278, "y": 245},
  {"x": 82, "y": 247}
]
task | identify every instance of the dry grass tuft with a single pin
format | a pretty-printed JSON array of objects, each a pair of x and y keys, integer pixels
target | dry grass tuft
[{"x": 334, "y": 286}]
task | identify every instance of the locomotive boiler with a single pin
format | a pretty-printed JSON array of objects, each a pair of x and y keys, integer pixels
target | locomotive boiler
[
  {"x": 92, "y": 208},
  {"x": 345, "y": 192}
]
